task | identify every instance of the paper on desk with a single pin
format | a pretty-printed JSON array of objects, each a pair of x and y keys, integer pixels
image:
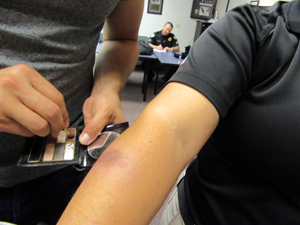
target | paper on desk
[{"x": 157, "y": 50}]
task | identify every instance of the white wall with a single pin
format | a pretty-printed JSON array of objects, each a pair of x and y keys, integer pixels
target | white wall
[
  {"x": 234, "y": 3},
  {"x": 221, "y": 7},
  {"x": 178, "y": 12}
]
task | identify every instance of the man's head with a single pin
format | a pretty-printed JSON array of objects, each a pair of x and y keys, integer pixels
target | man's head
[{"x": 167, "y": 28}]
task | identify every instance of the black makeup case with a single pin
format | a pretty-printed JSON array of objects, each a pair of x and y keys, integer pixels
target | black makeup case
[{"x": 66, "y": 149}]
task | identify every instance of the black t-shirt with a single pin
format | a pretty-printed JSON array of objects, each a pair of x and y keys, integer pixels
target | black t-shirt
[
  {"x": 165, "y": 41},
  {"x": 247, "y": 65}
]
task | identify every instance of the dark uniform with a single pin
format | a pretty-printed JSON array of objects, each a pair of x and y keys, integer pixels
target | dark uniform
[{"x": 165, "y": 41}]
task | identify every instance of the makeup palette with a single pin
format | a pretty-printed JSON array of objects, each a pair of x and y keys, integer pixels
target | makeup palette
[
  {"x": 96, "y": 148},
  {"x": 66, "y": 149}
]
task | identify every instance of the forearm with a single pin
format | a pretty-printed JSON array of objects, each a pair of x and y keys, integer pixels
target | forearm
[
  {"x": 118, "y": 55},
  {"x": 116, "y": 60},
  {"x": 132, "y": 178},
  {"x": 114, "y": 63},
  {"x": 153, "y": 46},
  {"x": 176, "y": 48}
]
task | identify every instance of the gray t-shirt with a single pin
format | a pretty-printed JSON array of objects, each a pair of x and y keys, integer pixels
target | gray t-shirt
[{"x": 58, "y": 39}]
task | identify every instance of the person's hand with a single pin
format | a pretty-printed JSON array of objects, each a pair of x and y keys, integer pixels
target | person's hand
[
  {"x": 99, "y": 111},
  {"x": 166, "y": 48},
  {"x": 159, "y": 47},
  {"x": 29, "y": 104}
]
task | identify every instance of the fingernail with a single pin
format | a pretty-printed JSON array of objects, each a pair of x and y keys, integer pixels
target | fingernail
[
  {"x": 66, "y": 123},
  {"x": 84, "y": 139}
]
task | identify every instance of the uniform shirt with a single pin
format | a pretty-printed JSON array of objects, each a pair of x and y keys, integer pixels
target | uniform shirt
[
  {"x": 58, "y": 39},
  {"x": 247, "y": 65},
  {"x": 165, "y": 41}
]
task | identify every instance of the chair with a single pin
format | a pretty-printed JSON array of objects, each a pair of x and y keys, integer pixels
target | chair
[{"x": 145, "y": 38}]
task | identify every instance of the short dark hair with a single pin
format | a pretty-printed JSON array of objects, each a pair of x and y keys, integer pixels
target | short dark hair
[{"x": 171, "y": 24}]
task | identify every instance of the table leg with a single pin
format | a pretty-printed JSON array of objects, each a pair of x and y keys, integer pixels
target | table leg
[
  {"x": 145, "y": 80},
  {"x": 156, "y": 81}
]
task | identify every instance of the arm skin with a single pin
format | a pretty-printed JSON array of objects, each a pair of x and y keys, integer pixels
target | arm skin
[
  {"x": 159, "y": 47},
  {"x": 132, "y": 178},
  {"x": 175, "y": 48},
  {"x": 115, "y": 62}
]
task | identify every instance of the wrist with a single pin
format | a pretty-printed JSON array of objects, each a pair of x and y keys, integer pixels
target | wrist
[
  {"x": 107, "y": 86},
  {"x": 108, "y": 89}
]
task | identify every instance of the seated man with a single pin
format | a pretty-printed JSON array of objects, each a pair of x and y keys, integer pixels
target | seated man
[{"x": 164, "y": 39}]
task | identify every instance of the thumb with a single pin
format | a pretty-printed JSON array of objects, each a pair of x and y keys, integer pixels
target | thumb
[
  {"x": 95, "y": 127},
  {"x": 92, "y": 130}
]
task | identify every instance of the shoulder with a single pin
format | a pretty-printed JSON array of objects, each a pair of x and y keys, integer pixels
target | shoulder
[
  {"x": 153, "y": 35},
  {"x": 157, "y": 33},
  {"x": 172, "y": 36},
  {"x": 259, "y": 19}
]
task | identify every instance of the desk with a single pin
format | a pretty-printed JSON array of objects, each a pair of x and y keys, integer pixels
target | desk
[{"x": 167, "y": 61}]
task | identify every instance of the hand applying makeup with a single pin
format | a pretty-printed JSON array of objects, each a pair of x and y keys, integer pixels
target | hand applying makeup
[
  {"x": 112, "y": 69},
  {"x": 114, "y": 63},
  {"x": 100, "y": 110},
  {"x": 29, "y": 104}
]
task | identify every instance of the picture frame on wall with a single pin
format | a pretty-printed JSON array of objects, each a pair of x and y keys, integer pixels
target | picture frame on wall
[
  {"x": 155, "y": 6},
  {"x": 203, "y": 9},
  {"x": 254, "y": 2}
]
